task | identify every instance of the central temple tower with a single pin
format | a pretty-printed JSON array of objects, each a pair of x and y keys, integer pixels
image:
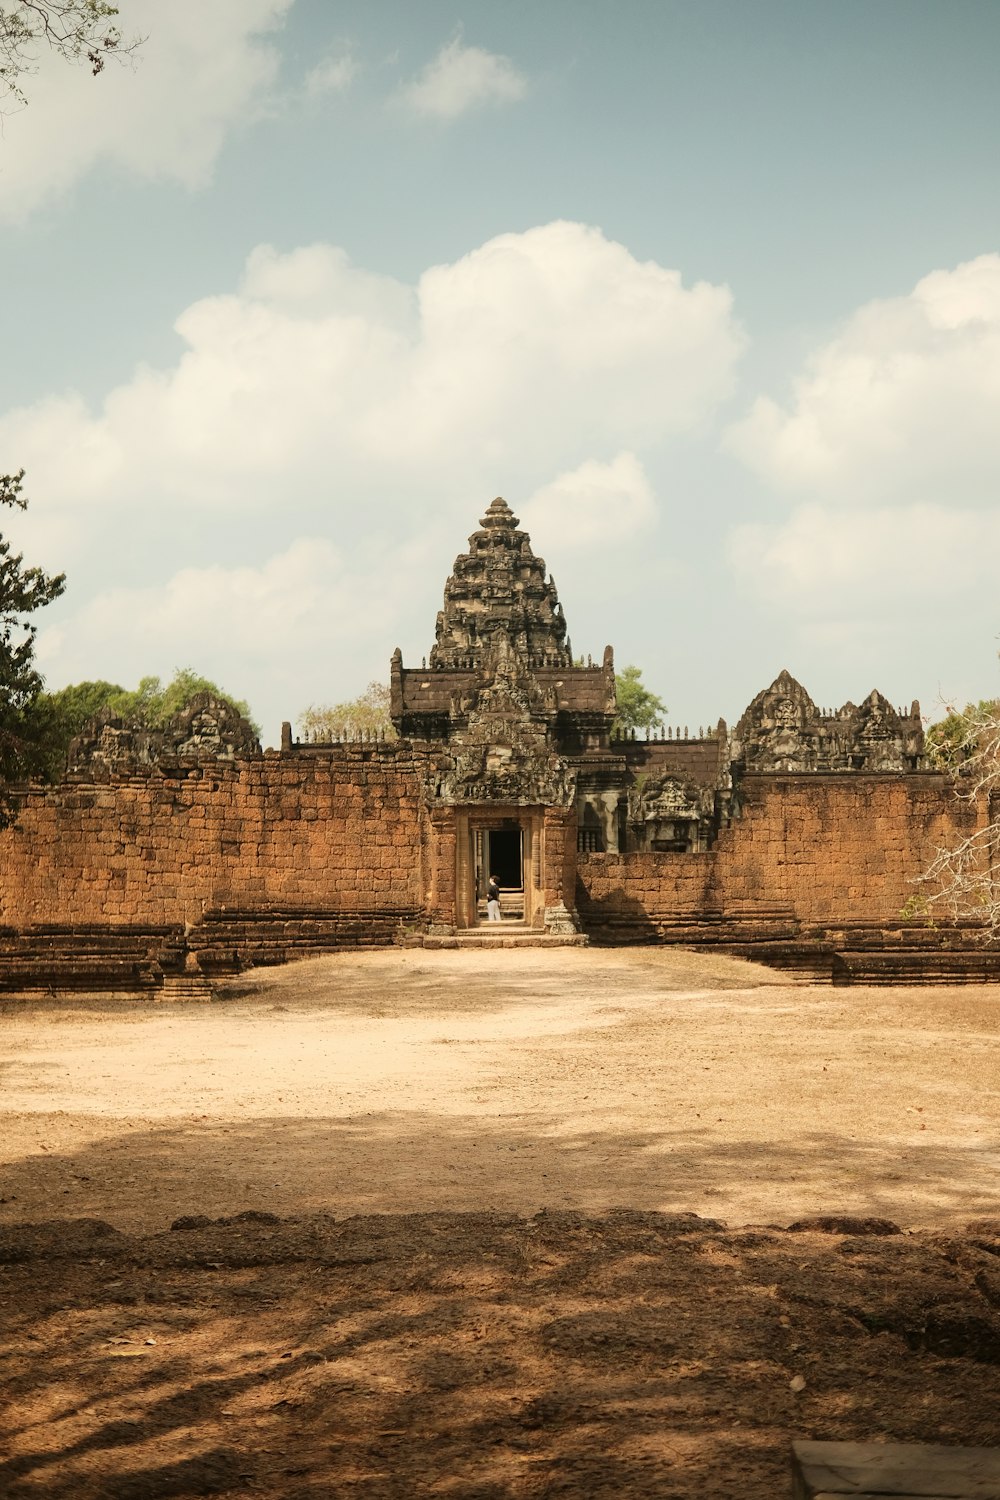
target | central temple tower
[
  {"x": 499, "y": 588},
  {"x": 500, "y": 608}
]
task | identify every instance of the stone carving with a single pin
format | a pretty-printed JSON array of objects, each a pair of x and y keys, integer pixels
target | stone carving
[
  {"x": 501, "y": 741},
  {"x": 209, "y": 728},
  {"x": 107, "y": 743},
  {"x": 499, "y": 605},
  {"x": 880, "y": 739},
  {"x": 783, "y": 730},
  {"x": 780, "y": 731},
  {"x": 499, "y": 586},
  {"x": 670, "y": 812},
  {"x": 663, "y": 797}
]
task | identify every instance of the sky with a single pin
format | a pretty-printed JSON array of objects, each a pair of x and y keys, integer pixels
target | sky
[{"x": 709, "y": 292}]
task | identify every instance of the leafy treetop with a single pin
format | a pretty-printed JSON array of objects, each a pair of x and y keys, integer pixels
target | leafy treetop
[
  {"x": 367, "y": 714},
  {"x": 638, "y": 707},
  {"x": 152, "y": 704},
  {"x": 24, "y": 723},
  {"x": 953, "y": 740}
]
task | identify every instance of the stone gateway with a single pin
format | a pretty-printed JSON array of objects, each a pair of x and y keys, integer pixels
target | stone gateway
[{"x": 162, "y": 859}]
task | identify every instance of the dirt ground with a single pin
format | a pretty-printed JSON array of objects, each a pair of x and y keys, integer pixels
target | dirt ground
[{"x": 462, "y": 1256}]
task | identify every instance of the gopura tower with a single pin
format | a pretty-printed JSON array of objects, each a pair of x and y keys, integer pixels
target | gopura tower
[{"x": 508, "y": 721}]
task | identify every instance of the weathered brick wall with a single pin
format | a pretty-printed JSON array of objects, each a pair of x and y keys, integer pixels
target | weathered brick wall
[
  {"x": 558, "y": 865},
  {"x": 825, "y": 848},
  {"x": 342, "y": 830},
  {"x": 334, "y": 829},
  {"x": 842, "y": 848},
  {"x": 634, "y": 889}
]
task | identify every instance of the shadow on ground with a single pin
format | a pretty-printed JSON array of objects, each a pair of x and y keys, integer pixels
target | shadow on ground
[
  {"x": 144, "y": 1178},
  {"x": 478, "y": 1355}
]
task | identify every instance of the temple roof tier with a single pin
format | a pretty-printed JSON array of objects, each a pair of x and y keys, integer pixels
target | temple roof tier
[{"x": 499, "y": 589}]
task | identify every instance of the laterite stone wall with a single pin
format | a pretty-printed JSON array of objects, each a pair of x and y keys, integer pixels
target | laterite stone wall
[
  {"x": 334, "y": 829},
  {"x": 823, "y": 849},
  {"x": 838, "y": 848}
]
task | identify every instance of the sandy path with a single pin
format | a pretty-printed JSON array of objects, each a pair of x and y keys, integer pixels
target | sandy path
[{"x": 404, "y": 1081}]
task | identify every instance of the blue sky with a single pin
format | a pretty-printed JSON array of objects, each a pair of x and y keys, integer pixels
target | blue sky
[{"x": 710, "y": 292}]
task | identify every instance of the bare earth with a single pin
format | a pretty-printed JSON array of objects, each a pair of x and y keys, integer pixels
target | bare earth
[{"x": 490, "y": 1326}]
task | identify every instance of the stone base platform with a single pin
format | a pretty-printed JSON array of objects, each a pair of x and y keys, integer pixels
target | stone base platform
[
  {"x": 905, "y": 1471},
  {"x": 894, "y": 953},
  {"x": 477, "y": 938}
]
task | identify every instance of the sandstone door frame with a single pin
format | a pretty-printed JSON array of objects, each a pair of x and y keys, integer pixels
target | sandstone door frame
[{"x": 475, "y": 823}]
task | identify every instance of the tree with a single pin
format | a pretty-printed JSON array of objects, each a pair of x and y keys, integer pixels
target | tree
[
  {"x": 638, "y": 707},
  {"x": 949, "y": 742},
  {"x": 359, "y": 718},
  {"x": 81, "y": 31},
  {"x": 25, "y": 721},
  {"x": 964, "y": 882},
  {"x": 153, "y": 704}
]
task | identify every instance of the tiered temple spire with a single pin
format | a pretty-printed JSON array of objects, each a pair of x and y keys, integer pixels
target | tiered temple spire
[{"x": 498, "y": 591}]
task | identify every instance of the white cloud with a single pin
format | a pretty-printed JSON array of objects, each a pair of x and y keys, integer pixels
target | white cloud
[
  {"x": 891, "y": 448},
  {"x": 261, "y": 631},
  {"x": 532, "y": 353},
  {"x": 334, "y": 75},
  {"x": 902, "y": 406},
  {"x": 321, "y": 400},
  {"x": 460, "y": 79},
  {"x": 822, "y": 563},
  {"x": 581, "y": 508},
  {"x": 202, "y": 71}
]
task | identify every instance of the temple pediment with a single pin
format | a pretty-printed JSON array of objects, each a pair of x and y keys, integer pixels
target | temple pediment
[{"x": 783, "y": 730}]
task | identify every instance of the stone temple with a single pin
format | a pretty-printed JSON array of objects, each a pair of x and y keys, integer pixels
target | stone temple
[{"x": 165, "y": 858}]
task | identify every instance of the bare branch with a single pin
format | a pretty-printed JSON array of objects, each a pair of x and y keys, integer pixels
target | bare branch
[
  {"x": 964, "y": 882},
  {"x": 77, "y": 30}
]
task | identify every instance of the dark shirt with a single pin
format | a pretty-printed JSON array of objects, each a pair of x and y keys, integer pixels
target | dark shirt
[{"x": 493, "y": 891}]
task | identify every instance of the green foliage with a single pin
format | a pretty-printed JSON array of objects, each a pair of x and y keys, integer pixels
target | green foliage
[
  {"x": 365, "y": 715},
  {"x": 75, "y": 704},
  {"x": 954, "y": 739},
  {"x": 25, "y": 721},
  {"x": 80, "y": 31},
  {"x": 151, "y": 705},
  {"x": 638, "y": 707},
  {"x": 917, "y": 909}
]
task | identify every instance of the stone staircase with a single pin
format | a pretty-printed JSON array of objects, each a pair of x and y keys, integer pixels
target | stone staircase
[{"x": 511, "y": 907}]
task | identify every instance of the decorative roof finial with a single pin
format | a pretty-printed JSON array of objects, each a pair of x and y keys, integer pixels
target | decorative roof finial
[{"x": 500, "y": 514}]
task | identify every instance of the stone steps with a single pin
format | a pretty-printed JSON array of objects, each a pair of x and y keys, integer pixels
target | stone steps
[
  {"x": 184, "y": 988},
  {"x": 497, "y": 937}
]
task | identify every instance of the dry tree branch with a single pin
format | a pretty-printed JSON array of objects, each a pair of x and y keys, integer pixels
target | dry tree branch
[{"x": 964, "y": 881}]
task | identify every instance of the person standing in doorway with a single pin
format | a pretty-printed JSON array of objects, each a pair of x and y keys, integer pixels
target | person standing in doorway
[{"x": 493, "y": 900}]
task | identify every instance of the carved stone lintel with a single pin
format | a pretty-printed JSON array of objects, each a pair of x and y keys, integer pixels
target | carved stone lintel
[{"x": 501, "y": 747}]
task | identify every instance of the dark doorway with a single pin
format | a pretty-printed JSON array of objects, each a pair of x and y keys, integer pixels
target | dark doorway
[{"x": 503, "y": 857}]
